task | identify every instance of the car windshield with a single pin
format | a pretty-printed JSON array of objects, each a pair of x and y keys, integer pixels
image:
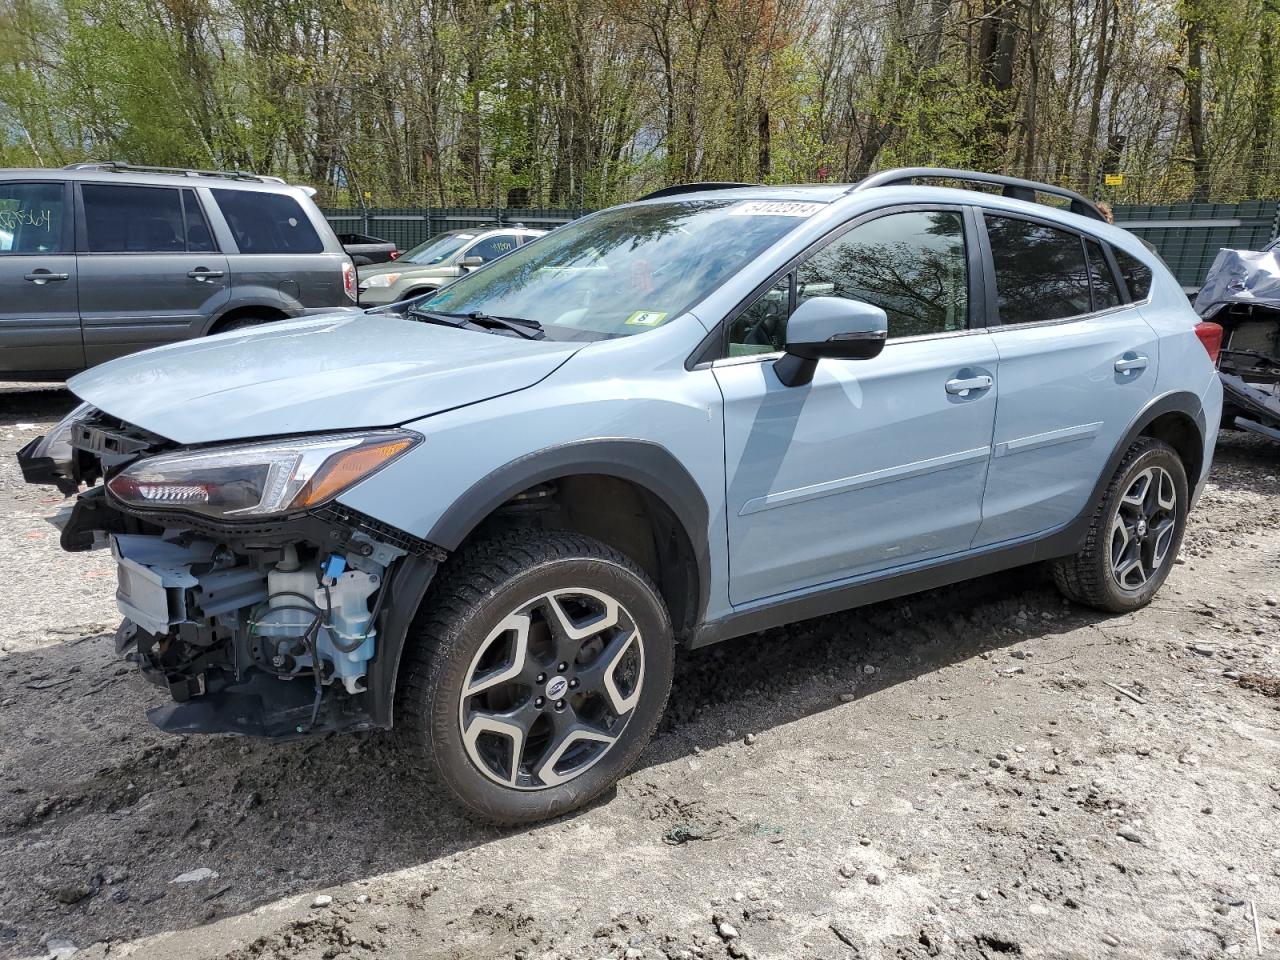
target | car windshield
[
  {"x": 437, "y": 249},
  {"x": 624, "y": 270}
]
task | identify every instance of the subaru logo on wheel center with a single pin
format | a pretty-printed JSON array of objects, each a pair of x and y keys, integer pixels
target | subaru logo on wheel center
[{"x": 556, "y": 688}]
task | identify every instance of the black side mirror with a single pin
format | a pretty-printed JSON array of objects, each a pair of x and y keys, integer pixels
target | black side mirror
[{"x": 830, "y": 328}]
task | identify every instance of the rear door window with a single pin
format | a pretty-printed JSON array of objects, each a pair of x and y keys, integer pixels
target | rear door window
[
  {"x": 31, "y": 218},
  {"x": 267, "y": 222},
  {"x": 1041, "y": 272},
  {"x": 120, "y": 219}
]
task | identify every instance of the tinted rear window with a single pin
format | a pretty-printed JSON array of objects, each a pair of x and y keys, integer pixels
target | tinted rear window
[
  {"x": 1040, "y": 272},
  {"x": 1137, "y": 275},
  {"x": 267, "y": 222}
]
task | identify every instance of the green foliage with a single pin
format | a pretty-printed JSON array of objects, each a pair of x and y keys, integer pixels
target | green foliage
[{"x": 588, "y": 102}]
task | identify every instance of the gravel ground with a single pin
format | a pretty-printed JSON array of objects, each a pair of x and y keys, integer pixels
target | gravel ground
[{"x": 954, "y": 774}]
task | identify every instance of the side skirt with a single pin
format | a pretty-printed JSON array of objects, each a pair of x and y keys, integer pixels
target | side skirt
[{"x": 1064, "y": 542}]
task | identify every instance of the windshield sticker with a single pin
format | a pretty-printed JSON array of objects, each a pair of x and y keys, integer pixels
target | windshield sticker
[
  {"x": 645, "y": 318},
  {"x": 774, "y": 208}
]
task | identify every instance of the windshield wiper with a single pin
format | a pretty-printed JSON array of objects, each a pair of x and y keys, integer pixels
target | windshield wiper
[
  {"x": 529, "y": 329},
  {"x": 444, "y": 319}
]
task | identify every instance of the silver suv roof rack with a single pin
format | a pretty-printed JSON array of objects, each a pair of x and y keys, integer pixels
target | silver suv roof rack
[
  {"x": 1012, "y": 187},
  {"x": 123, "y": 167}
]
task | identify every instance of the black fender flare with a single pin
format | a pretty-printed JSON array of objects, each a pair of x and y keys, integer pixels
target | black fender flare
[
  {"x": 648, "y": 465},
  {"x": 1178, "y": 401},
  {"x": 642, "y": 462}
]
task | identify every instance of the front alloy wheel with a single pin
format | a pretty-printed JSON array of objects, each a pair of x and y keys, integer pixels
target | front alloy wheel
[
  {"x": 539, "y": 670},
  {"x": 552, "y": 688}
]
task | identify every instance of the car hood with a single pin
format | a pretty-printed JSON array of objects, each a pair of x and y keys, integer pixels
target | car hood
[{"x": 333, "y": 372}]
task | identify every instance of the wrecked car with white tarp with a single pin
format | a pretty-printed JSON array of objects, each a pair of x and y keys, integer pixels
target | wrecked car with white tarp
[{"x": 1242, "y": 294}]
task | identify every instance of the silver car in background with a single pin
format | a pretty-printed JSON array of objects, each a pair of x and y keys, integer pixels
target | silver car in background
[{"x": 440, "y": 260}]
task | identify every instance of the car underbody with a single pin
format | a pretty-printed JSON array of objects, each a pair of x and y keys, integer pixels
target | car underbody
[{"x": 278, "y": 628}]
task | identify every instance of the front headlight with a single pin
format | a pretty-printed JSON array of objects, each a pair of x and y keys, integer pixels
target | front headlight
[
  {"x": 56, "y": 444},
  {"x": 257, "y": 479},
  {"x": 380, "y": 280}
]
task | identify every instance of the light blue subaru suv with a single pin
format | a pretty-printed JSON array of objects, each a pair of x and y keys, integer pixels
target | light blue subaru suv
[{"x": 491, "y": 514}]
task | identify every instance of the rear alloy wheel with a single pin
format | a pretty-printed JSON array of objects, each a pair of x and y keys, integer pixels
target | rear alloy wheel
[
  {"x": 1135, "y": 533},
  {"x": 1143, "y": 528},
  {"x": 539, "y": 674}
]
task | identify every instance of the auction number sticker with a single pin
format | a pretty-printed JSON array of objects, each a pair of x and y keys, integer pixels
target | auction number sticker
[
  {"x": 774, "y": 208},
  {"x": 646, "y": 318}
]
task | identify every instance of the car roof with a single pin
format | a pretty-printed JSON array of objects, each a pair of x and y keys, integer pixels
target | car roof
[{"x": 844, "y": 196}]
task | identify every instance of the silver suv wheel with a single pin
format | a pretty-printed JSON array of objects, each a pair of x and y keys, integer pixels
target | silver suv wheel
[
  {"x": 1143, "y": 529},
  {"x": 551, "y": 689},
  {"x": 1134, "y": 533}
]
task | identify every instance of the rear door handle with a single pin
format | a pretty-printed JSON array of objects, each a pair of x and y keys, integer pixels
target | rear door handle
[
  {"x": 200, "y": 273},
  {"x": 960, "y": 387},
  {"x": 44, "y": 276},
  {"x": 1130, "y": 364}
]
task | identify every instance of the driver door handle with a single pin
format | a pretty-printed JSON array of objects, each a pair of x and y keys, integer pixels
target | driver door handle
[
  {"x": 44, "y": 276},
  {"x": 961, "y": 387}
]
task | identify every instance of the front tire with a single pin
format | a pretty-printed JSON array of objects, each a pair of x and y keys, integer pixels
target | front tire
[
  {"x": 1135, "y": 533},
  {"x": 539, "y": 671}
]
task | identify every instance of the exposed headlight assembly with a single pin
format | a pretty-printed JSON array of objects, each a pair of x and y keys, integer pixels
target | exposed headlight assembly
[
  {"x": 259, "y": 479},
  {"x": 380, "y": 280},
  {"x": 56, "y": 444}
]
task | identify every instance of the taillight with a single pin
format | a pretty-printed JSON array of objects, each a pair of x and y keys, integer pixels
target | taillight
[
  {"x": 349, "y": 279},
  {"x": 395, "y": 254},
  {"x": 1210, "y": 335}
]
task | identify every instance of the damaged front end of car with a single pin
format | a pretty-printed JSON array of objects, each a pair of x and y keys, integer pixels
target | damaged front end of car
[
  {"x": 1242, "y": 294},
  {"x": 260, "y": 604}
]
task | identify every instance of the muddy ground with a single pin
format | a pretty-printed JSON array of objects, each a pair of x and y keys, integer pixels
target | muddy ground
[{"x": 954, "y": 774}]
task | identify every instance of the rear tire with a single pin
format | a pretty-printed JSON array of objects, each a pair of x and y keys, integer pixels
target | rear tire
[
  {"x": 1135, "y": 533},
  {"x": 539, "y": 669}
]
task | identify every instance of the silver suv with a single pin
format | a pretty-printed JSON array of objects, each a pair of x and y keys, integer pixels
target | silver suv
[
  {"x": 103, "y": 259},
  {"x": 490, "y": 521}
]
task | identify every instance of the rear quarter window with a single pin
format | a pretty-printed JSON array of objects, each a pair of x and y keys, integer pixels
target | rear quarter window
[
  {"x": 267, "y": 222},
  {"x": 1137, "y": 275}
]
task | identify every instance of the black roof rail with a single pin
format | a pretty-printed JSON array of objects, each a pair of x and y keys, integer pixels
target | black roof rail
[
  {"x": 1013, "y": 187},
  {"x": 680, "y": 188},
  {"x": 123, "y": 167}
]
